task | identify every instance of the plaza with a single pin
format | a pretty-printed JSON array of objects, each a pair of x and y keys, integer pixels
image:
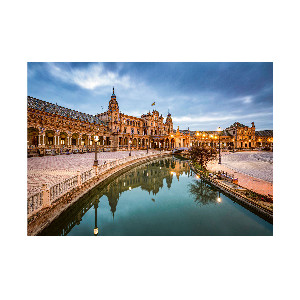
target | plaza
[
  {"x": 53, "y": 169},
  {"x": 254, "y": 170},
  {"x": 62, "y": 142}
]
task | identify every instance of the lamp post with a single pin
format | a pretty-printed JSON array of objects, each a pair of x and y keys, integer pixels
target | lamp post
[
  {"x": 219, "y": 131},
  {"x": 96, "y": 138},
  {"x": 130, "y": 147}
]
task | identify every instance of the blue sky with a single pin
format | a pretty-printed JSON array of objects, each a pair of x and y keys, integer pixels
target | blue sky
[{"x": 201, "y": 96}]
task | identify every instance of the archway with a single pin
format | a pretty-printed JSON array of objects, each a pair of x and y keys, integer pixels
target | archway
[
  {"x": 33, "y": 137},
  {"x": 49, "y": 134},
  {"x": 134, "y": 142},
  {"x": 74, "y": 139},
  {"x": 63, "y": 138},
  {"x": 84, "y": 140}
]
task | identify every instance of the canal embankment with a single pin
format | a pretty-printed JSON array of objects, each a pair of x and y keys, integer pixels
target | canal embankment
[
  {"x": 234, "y": 192},
  {"x": 47, "y": 205}
]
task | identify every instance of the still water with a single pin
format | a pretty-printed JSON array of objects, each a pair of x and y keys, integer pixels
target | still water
[{"x": 158, "y": 198}]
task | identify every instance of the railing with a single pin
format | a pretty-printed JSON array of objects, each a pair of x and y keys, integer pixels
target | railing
[
  {"x": 86, "y": 176},
  {"x": 34, "y": 203},
  {"x": 61, "y": 188},
  {"x": 49, "y": 195}
]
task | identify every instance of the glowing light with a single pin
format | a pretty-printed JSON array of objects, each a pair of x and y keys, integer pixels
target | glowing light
[
  {"x": 219, "y": 200},
  {"x": 96, "y": 138},
  {"x": 95, "y": 231},
  {"x": 197, "y": 176},
  {"x": 130, "y": 188}
]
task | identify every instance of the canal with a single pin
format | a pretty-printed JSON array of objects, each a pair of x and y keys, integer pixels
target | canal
[{"x": 162, "y": 197}]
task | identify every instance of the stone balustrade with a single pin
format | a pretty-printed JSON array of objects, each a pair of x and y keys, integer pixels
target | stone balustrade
[
  {"x": 34, "y": 203},
  {"x": 49, "y": 195}
]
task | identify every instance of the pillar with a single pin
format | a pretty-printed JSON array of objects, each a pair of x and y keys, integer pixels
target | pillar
[
  {"x": 78, "y": 178},
  {"x": 46, "y": 195}
]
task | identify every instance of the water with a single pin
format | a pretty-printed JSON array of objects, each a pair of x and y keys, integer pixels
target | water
[{"x": 160, "y": 198}]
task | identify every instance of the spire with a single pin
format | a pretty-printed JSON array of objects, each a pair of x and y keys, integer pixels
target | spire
[{"x": 113, "y": 90}]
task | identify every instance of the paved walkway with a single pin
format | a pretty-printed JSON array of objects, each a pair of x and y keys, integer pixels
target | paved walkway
[
  {"x": 258, "y": 185},
  {"x": 53, "y": 169}
]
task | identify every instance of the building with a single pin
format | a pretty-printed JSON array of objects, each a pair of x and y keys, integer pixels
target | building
[
  {"x": 53, "y": 129},
  {"x": 236, "y": 136}
]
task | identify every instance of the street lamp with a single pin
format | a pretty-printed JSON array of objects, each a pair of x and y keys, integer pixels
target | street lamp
[
  {"x": 96, "y": 138},
  {"x": 130, "y": 147},
  {"x": 219, "y": 131}
]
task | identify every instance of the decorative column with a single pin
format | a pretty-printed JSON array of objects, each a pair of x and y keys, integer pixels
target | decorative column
[
  {"x": 46, "y": 196},
  {"x": 78, "y": 178}
]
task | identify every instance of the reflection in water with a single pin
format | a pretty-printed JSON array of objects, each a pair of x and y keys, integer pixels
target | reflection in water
[
  {"x": 149, "y": 177},
  {"x": 162, "y": 197},
  {"x": 204, "y": 193}
]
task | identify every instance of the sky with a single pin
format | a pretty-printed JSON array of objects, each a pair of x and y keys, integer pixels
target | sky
[{"x": 199, "y": 96}]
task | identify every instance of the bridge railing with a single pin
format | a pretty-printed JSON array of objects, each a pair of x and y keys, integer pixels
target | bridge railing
[{"x": 48, "y": 195}]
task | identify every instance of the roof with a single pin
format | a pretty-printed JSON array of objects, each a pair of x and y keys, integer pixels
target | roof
[
  {"x": 61, "y": 111},
  {"x": 268, "y": 133}
]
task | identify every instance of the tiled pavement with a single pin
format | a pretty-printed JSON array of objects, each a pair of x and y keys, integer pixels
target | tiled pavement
[
  {"x": 53, "y": 169},
  {"x": 252, "y": 183}
]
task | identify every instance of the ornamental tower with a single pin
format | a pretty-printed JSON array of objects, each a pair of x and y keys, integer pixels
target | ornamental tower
[
  {"x": 169, "y": 123},
  {"x": 113, "y": 113}
]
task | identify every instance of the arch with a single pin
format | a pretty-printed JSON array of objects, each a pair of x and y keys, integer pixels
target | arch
[
  {"x": 84, "y": 140},
  {"x": 134, "y": 142},
  {"x": 33, "y": 136},
  {"x": 74, "y": 139},
  {"x": 63, "y": 138},
  {"x": 49, "y": 135}
]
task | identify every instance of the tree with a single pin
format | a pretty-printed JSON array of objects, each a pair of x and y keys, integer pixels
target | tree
[{"x": 202, "y": 155}]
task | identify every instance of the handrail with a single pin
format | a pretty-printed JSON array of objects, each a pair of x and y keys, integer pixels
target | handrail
[{"x": 49, "y": 195}]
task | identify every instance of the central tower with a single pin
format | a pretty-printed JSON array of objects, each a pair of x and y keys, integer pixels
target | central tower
[{"x": 114, "y": 113}]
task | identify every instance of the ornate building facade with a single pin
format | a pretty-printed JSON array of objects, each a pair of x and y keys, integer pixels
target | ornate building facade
[
  {"x": 236, "y": 136},
  {"x": 52, "y": 129}
]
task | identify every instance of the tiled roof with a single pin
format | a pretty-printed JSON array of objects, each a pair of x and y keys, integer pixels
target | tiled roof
[
  {"x": 268, "y": 133},
  {"x": 62, "y": 111}
]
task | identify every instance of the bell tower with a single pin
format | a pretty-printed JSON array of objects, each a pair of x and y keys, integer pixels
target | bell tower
[
  {"x": 169, "y": 123},
  {"x": 114, "y": 113}
]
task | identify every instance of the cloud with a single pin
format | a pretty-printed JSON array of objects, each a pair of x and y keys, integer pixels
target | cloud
[
  {"x": 89, "y": 78},
  {"x": 213, "y": 117}
]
